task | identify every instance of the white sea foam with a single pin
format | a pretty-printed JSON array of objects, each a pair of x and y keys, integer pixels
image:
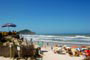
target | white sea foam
[{"x": 59, "y": 39}]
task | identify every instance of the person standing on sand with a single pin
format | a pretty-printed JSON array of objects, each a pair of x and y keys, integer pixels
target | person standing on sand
[
  {"x": 51, "y": 47},
  {"x": 47, "y": 43}
]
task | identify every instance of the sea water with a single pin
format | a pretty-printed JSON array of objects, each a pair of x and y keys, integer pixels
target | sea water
[{"x": 59, "y": 39}]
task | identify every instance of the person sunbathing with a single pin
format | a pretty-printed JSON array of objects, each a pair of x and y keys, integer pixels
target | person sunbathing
[
  {"x": 70, "y": 52},
  {"x": 77, "y": 53}
]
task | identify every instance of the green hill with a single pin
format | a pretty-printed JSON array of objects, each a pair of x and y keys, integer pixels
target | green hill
[{"x": 26, "y": 31}]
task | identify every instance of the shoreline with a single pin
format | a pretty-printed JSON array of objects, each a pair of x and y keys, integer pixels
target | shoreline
[{"x": 60, "y": 43}]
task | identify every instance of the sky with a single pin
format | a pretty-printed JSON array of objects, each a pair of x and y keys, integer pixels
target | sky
[{"x": 47, "y": 16}]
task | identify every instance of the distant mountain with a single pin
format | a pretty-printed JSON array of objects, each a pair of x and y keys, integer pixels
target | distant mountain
[{"x": 26, "y": 31}]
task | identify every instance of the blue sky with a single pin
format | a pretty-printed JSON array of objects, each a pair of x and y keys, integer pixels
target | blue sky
[{"x": 47, "y": 16}]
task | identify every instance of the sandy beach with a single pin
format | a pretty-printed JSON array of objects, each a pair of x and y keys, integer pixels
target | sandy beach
[{"x": 51, "y": 56}]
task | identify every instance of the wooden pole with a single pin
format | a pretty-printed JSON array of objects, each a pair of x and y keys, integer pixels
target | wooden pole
[
  {"x": 18, "y": 49},
  {"x": 10, "y": 51}
]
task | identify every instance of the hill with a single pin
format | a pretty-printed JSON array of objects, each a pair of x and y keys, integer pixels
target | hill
[{"x": 26, "y": 31}]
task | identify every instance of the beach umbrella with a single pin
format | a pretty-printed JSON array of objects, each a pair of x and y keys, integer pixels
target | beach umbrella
[
  {"x": 83, "y": 46},
  {"x": 74, "y": 46},
  {"x": 9, "y": 25},
  {"x": 78, "y": 49}
]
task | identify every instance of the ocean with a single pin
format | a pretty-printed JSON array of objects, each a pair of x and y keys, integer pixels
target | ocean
[{"x": 80, "y": 40}]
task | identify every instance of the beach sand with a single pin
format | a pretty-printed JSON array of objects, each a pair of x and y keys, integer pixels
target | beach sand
[
  {"x": 52, "y": 56},
  {"x": 3, "y": 58}
]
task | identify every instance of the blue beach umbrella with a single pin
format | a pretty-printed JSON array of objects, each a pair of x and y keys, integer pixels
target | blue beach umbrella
[{"x": 9, "y": 25}]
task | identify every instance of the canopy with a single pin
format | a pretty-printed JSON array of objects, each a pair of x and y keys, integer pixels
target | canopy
[{"x": 9, "y": 25}]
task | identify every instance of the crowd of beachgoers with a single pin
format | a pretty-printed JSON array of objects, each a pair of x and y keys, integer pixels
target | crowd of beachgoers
[
  {"x": 72, "y": 51},
  {"x": 19, "y": 48}
]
